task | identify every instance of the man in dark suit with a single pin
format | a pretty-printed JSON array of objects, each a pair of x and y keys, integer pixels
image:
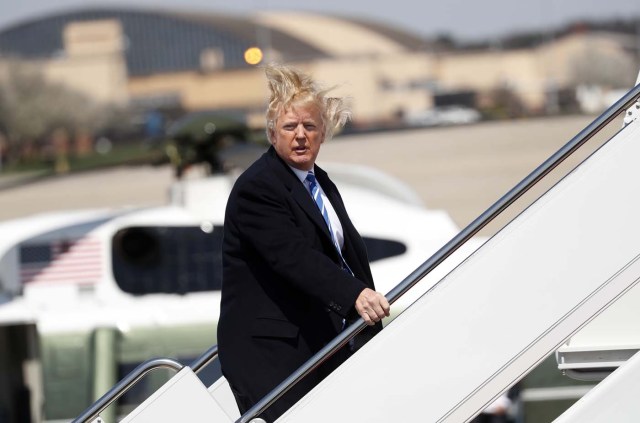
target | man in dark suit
[{"x": 295, "y": 269}]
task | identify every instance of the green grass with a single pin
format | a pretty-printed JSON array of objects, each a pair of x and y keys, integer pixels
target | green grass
[{"x": 126, "y": 154}]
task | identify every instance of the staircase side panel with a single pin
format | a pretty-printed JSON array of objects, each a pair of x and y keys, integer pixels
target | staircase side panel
[
  {"x": 182, "y": 399},
  {"x": 509, "y": 305}
]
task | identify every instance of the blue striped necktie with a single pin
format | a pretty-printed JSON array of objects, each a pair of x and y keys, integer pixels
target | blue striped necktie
[{"x": 317, "y": 197}]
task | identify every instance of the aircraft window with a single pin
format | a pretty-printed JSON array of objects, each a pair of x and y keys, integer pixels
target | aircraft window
[
  {"x": 148, "y": 260},
  {"x": 379, "y": 249}
]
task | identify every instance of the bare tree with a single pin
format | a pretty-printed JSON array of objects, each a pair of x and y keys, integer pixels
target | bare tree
[
  {"x": 33, "y": 109},
  {"x": 24, "y": 111},
  {"x": 607, "y": 69}
]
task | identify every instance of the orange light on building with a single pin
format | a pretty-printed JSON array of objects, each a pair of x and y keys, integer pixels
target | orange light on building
[{"x": 253, "y": 55}]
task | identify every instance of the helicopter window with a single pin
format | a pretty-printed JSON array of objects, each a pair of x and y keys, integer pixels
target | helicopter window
[
  {"x": 378, "y": 249},
  {"x": 178, "y": 260}
]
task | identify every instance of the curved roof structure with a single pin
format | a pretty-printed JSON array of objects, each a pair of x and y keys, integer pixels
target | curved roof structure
[
  {"x": 333, "y": 35},
  {"x": 172, "y": 41}
]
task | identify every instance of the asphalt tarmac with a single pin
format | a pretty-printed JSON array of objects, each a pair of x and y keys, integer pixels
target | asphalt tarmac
[{"x": 461, "y": 169}]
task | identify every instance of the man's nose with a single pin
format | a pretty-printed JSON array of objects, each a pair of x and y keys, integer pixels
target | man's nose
[{"x": 300, "y": 131}]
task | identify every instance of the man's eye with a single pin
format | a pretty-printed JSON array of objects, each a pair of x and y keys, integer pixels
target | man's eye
[{"x": 309, "y": 127}]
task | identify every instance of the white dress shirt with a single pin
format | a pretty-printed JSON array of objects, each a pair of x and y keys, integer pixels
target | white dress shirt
[{"x": 336, "y": 226}]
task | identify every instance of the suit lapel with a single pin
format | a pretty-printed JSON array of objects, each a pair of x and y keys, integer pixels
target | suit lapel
[{"x": 303, "y": 198}]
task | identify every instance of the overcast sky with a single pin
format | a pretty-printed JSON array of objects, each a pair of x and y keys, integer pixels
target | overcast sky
[{"x": 464, "y": 19}]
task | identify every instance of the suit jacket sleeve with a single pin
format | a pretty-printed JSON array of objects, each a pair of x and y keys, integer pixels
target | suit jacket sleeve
[{"x": 266, "y": 224}]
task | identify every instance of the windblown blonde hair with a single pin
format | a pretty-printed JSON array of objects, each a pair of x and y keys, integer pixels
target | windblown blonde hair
[{"x": 289, "y": 86}]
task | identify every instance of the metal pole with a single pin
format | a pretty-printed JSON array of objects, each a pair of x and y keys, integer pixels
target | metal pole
[
  {"x": 105, "y": 372},
  {"x": 484, "y": 219}
]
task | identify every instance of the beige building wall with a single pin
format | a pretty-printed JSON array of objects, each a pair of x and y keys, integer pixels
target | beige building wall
[
  {"x": 531, "y": 73},
  {"x": 100, "y": 78},
  {"x": 380, "y": 87},
  {"x": 197, "y": 91},
  {"x": 93, "y": 61},
  {"x": 483, "y": 72}
]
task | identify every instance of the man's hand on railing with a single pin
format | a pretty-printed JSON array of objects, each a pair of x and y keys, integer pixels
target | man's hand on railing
[{"x": 372, "y": 306}]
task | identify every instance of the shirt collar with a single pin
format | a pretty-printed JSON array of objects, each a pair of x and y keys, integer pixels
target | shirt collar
[{"x": 301, "y": 174}]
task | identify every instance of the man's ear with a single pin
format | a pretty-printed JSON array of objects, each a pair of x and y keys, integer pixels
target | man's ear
[{"x": 271, "y": 135}]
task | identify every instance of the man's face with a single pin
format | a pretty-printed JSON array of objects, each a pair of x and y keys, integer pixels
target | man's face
[{"x": 297, "y": 135}]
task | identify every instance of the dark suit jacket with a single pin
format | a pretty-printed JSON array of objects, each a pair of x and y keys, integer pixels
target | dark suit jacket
[{"x": 284, "y": 295}]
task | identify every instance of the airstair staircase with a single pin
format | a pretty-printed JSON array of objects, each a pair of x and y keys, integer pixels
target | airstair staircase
[{"x": 546, "y": 274}]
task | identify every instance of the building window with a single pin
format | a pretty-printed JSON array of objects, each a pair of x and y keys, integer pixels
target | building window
[{"x": 211, "y": 59}]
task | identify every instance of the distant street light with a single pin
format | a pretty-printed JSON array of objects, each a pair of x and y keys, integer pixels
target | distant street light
[{"x": 253, "y": 55}]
